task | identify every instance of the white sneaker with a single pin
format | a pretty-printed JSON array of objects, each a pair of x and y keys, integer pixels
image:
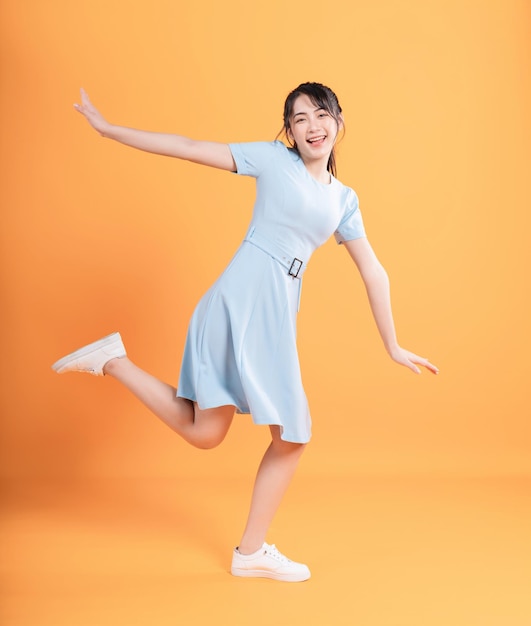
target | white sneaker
[
  {"x": 268, "y": 562},
  {"x": 93, "y": 357}
]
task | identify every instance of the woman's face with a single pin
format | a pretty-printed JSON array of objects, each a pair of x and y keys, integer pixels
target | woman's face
[{"x": 312, "y": 129}]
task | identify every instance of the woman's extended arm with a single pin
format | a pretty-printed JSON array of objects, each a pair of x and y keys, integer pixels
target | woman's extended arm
[
  {"x": 376, "y": 283},
  {"x": 203, "y": 152}
]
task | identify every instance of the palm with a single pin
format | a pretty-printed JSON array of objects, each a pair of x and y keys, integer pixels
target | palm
[
  {"x": 90, "y": 112},
  {"x": 412, "y": 361}
]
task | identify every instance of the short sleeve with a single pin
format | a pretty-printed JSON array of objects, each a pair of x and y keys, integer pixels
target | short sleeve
[
  {"x": 351, "y": 226},
  {"x": 252, "y": 158}
]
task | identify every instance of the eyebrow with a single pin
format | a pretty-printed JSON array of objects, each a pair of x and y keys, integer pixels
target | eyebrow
[{"x": 305, "y": 112}]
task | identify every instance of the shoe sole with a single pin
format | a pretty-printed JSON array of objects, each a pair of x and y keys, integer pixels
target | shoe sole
[
  {"x": 260, "y": 573},
  {"x": 85, "y": 351}
]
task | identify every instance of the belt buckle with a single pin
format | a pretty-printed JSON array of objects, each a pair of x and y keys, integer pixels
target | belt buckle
[{"x": 295, "y": 268}]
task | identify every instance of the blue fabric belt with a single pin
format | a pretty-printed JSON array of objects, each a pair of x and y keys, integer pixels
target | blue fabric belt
[{"x": 294, "y": 267}]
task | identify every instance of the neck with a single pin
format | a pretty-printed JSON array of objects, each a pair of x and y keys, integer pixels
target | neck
[{"x": 318, "y": 169}]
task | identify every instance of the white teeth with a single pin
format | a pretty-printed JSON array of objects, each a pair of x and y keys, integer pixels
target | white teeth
[{"x": 317, "y": 139}]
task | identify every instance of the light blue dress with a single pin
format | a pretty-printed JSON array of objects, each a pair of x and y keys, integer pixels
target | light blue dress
[{"x": 241, "y": 345}]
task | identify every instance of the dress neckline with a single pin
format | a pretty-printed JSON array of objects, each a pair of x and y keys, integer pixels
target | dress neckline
[
  {"x": 317, "y": 182},
  {"x": 301, "y": 163}
]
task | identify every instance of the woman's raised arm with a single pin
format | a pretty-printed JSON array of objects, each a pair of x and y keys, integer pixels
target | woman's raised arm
[{"x": 203, "y": 152}]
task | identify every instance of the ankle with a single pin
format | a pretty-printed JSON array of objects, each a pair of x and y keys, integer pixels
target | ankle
[
  {"x": 249, "y": 548},
  {"x": 112, "y": 365}
]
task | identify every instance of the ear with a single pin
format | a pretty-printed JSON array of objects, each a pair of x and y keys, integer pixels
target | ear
[
  {"x": 289, "y": 134},
  {"x": 340, "y": 123}
]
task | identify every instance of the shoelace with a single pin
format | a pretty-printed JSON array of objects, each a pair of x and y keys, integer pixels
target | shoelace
[{"x": 273, "y": 552}]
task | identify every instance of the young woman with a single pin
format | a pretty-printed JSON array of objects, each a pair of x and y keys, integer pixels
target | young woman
[{"x": 240, "y": 354}]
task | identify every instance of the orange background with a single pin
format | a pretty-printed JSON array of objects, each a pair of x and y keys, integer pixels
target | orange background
[{"x": 97, "y": 237}]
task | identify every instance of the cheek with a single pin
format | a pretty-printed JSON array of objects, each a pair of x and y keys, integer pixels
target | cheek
[{"x": 334, "y": 129}]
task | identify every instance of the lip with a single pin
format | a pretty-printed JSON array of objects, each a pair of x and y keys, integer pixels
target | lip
[{"x": 317, "y": 140}]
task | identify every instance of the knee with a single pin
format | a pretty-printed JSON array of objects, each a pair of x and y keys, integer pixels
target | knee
[
  {"x": 299, "y": 448},
  {"x": 208, "y": 441},
  {"x": 285, "y": 447},
  {"x": 289, "y": 448},
  {"x": 210, "y": 426}
]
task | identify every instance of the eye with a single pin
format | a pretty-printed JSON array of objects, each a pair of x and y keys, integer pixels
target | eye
[
  {"x": 299, "y": 120},
  {"x": 323, "y": 114}
]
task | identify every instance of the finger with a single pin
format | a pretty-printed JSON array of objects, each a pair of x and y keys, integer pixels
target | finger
[
  {"x": 84, "y": 101},
  {"x": 425, "y": 363},
  {"x": 409, "y": 363},
  {"x": 432, "y": 368},
  {"x": 84, "y": 98}
]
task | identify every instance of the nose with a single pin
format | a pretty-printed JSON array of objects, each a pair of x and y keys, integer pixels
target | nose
[{"x": 315, "y": 122}]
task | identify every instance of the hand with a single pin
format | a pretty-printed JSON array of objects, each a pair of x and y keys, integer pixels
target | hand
[
  {"x": 91, "y": 113},
  {"x": 411, "y": 360}
]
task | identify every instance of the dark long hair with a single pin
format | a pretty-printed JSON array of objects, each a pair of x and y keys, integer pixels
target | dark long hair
[{"x": 322, "y": 97}]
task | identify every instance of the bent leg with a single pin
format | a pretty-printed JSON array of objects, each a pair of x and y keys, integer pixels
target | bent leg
[
  {"x": 272, "y": 480},
  {"x": 203, "y": 428}
]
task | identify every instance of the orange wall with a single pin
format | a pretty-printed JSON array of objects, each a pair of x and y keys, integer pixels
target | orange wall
[{"x": 96, "y": 237}]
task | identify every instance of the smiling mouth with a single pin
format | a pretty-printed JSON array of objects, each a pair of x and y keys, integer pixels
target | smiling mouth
[{"x": 316, "y": 140}]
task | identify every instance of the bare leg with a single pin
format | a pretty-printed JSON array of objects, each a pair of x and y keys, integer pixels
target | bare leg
[
  {"x": 206, "y": 429},
  {"x": 272, "y": 480},
  {"x": 202, "y": 428}
]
